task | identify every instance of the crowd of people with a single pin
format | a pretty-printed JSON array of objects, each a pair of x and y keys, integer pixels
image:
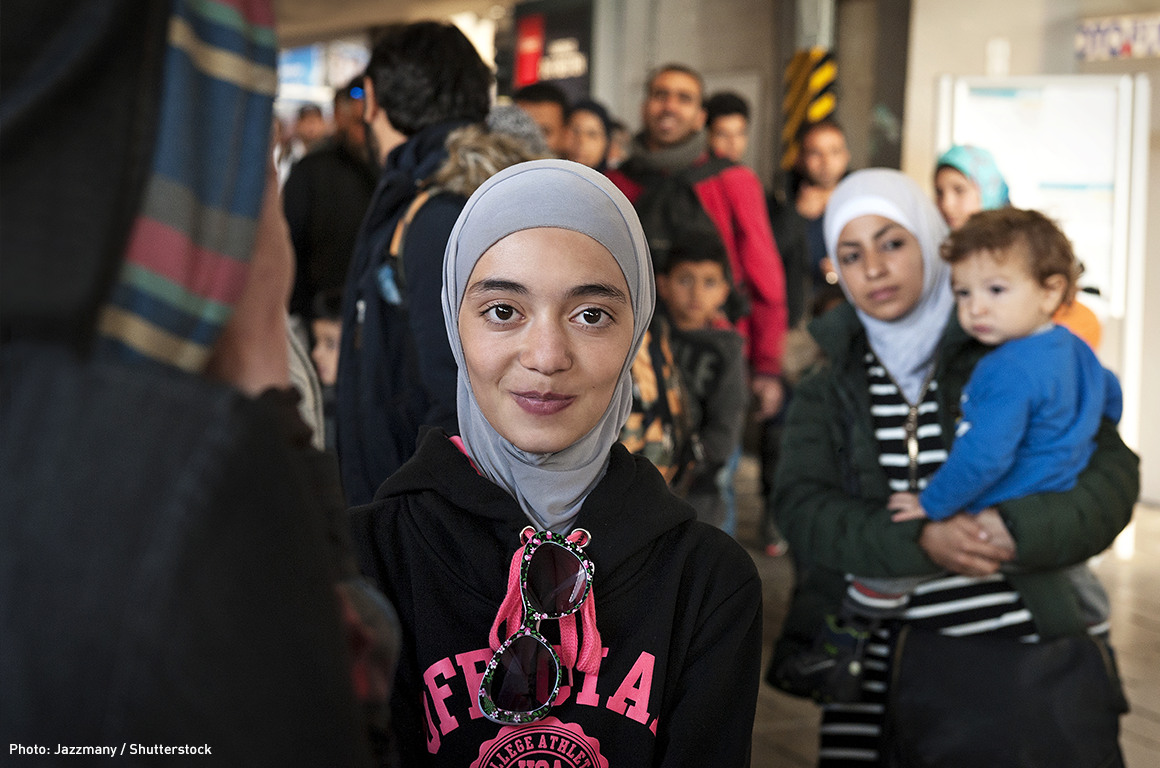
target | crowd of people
[{"x": 411, "y": 441}]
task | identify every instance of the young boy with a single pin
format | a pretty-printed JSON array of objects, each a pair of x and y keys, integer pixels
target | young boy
[
  {"x": 710, "y": 356},
  {"x": 727, "y": 119},
  {"x": 1030, "y": 413}
]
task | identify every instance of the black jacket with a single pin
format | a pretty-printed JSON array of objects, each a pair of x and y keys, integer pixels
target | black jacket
[
  {"x": 395, "y": 367},
  {"x": 324, "y": 199},
  {"x": 678, "y": 606}
]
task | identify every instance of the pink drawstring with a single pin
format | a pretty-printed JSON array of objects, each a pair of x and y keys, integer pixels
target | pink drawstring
[
  {"x": 591, "y": 653},
  {"x": 511, "y": 613}
]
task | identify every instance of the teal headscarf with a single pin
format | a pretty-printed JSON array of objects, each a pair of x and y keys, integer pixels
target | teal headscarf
[{"x": 979, "y": 166}]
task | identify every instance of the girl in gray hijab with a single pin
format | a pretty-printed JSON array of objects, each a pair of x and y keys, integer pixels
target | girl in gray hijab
[
  {"x": 550, "y": 486},
  {"x": 492, "y": 543}
]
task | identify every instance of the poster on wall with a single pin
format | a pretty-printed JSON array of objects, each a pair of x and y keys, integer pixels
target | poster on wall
[{"x": 554, "y": 44}]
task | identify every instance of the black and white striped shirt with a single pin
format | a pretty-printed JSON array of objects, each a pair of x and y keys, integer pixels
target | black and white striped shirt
[{"x": 911, "y": 448}]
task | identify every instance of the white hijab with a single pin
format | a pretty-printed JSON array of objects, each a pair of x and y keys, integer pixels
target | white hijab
[
  {"x": 547, "y": 193},
  {"x": 906, "y": 347}
]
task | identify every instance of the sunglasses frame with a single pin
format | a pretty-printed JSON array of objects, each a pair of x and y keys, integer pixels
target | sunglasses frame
[{"x": 534, "y": 540}]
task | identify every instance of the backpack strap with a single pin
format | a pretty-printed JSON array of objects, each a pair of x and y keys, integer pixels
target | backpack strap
[
  {"x": 399, "y": 238},
  {"x": 400, "y": 235}
]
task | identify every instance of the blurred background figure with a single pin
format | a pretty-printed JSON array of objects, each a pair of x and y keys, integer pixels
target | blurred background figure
[
  {"x": 825, "y": 160},
  {"x": 282, "y": 150},
  {"x": 810, "y": 279},
  {"x": 510, "y": 120},
  {"x": 727, "y": 118},
  {"x": 309, "y": 129},
  {"x": 324, "y": 200},
  {"x": 326, "y": 328},
  {"x": 589, "y": 134},
  {"x": 692, "y": 292},
  {"x": 619, "y": 140},
  {"x": 548, "y": 106},
  {"x": 395, "y": 369},
  {"x": 968, "y": 180}
]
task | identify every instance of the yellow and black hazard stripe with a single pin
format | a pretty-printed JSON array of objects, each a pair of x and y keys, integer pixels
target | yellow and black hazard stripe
[{"x": 809, "y": 98}]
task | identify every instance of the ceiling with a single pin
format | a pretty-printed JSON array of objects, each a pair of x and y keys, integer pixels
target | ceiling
[{"x": 308, "y": 21}]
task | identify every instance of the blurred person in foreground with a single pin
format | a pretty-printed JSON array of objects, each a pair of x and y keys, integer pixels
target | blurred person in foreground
[{"x": 177, "y": 571}]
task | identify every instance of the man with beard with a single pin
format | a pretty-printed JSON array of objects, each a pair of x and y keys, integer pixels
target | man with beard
[{"x": 674, "y": 141}]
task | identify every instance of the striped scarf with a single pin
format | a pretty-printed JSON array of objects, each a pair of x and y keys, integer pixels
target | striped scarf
[{"x": 187, "y": 256}]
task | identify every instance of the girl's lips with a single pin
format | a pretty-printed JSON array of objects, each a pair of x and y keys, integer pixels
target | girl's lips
[
  {"x": 542, "y": 403},
  {"x": 883, "y": 294}
]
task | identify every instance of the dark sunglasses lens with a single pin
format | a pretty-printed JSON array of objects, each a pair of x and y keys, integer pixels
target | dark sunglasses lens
[
  {"x": 525, "y": 677},
  {"x": 555, "y": 580}
]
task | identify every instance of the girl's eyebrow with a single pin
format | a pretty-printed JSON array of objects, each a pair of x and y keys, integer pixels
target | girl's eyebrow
[
  {"x": 598, "y": 291},
  {"x": 587, "y": 290},
  {"x": 497, "y": 285},
  {"x": 887, "y": 228}
]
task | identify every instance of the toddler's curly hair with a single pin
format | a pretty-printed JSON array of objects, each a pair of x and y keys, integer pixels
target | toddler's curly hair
[{"x": 1046, "y": 249}]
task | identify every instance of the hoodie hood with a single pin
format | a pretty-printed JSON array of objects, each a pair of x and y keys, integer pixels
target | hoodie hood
[{"x": 632, "y": 489}]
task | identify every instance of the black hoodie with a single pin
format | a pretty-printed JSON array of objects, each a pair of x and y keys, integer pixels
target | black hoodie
[{"x": 678, "y": 606}]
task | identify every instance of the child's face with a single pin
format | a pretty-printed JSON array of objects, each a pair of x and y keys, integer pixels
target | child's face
[
  {"x": 999, "y": 299},
  {"x": 693, "y": 292},
  {"x": 729, "y": 137},
  {"x": 327, "y": 334}
]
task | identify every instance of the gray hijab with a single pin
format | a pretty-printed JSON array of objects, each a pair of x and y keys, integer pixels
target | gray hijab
[
  {"x": 906, "y": 346},
  {"x": 546, "y": 193}
]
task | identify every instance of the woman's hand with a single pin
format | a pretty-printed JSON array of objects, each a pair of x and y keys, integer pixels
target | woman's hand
[
  {"x": 996, "y": 529},
  {"x": 970, "y": 545},
  {"x": 905, "y": 507}
]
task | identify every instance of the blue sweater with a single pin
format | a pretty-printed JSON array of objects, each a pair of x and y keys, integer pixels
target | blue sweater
[{"x": 1030, "y": 414}]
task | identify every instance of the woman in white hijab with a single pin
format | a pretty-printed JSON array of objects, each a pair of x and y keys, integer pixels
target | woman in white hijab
[
  {"x": 491, "y": 544},
  {"x": 875, "y": 417}
]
